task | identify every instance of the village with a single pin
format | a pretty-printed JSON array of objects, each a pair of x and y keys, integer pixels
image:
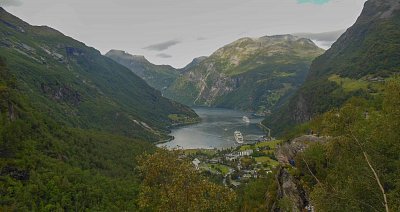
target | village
[{"x": 237, "y": 165}]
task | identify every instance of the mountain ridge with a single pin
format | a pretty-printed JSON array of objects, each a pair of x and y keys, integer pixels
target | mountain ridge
[
  {"x": 226, "y": 78},
  {"x": 78, "y": 86},
  {"x": 157, "y": 76}
]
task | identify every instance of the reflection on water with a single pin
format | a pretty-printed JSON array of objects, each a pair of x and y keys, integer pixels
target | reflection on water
[{"x": 215, "y": 130}]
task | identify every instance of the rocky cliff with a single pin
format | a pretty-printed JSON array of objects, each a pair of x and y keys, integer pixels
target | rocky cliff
[{"x": 291, "y": 195}]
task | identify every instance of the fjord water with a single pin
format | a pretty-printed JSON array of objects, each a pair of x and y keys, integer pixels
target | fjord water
[{"x": 215, "y": 130}]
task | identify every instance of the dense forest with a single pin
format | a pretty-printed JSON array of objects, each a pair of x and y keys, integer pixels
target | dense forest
[
  {"x": 357, "y": 167},
  {"x": 45, "y": 166}
]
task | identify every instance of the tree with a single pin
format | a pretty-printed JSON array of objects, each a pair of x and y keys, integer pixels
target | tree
[
  {"x": 358, "y": 169},
  {"x": 172, "y": 184}
]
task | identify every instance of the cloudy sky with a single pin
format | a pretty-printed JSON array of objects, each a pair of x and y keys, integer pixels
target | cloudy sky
[{"x": 175, "y": 31}]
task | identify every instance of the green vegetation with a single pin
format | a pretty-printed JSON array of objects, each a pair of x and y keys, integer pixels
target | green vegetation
[
  {"x": 258, "y": 194},
  {"x": 356, "y": 65},
  {"x": 248, "y": 74},
  {"x": 172, "y": 184},
  {"x": 269, "y": 144},
  {"x": 267, "y": 160},
  {"x": 180, "y": 119},
  {"x": 357, "y": 168},
  {"x": 340, "y": 173},
  {"x": 72, "y": 123},
  {"x": 75, "y": 85},
  {"x": 207, "y": 152},
  {"x": 73, "y": 126},
  {"x": 219, "y": 168},
  {"x": 45, "y": 166},
  {"x": 348, "y": 84},
  {"x": 157, "y": 76}
]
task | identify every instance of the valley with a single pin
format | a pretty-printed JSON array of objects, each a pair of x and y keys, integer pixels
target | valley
[{"x": 270, "y": 123}]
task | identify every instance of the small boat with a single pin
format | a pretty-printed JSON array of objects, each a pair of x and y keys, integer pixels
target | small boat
[
  {"x": 238, "y": 137},
  {"x": 246, "y": 119}
]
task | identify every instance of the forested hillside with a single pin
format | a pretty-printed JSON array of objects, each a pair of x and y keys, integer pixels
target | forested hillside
[
  {"x": 77, "y": 86},
  {"x": 45, "y": 166},
  {"x": 356, "y": 65},
  {"x": 352, "y": 166}
]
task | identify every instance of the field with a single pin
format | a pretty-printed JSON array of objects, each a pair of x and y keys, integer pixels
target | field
[
  {"x": 267, "y": 160},
  {"x": 349, "y": 84},
  {"x": 218, "y": 168},
  {"x": 208, "y": 152},
  {"x": 270, "y": 144}
]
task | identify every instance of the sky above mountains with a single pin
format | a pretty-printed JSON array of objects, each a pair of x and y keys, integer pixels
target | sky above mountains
[{"x": 176, "y": 31}]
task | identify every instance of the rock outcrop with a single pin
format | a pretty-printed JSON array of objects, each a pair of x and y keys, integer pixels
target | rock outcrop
[{"x": 289, "y": 186}]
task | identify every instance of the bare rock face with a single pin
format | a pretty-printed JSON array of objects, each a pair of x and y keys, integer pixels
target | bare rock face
[
  {"x": 288, "y": 151},
  {"x": 11, "y": 111},
  {"x": 289, "y": 187},
  {"x": 62, "y": 93}
]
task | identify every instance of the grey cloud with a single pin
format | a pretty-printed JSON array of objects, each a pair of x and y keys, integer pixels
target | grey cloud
[
  {"x": 163, "y": 55},
  {"x": 201, "y": 38},
  {"x": 324, "y": 36},
  {"x": 5, "y": 3},
  {"x": 162, "y": 46}
]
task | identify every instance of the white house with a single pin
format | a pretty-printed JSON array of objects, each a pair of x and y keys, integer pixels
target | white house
[
  {"x": 196, "y": 162},
  {"x": 246, "y": 152}
]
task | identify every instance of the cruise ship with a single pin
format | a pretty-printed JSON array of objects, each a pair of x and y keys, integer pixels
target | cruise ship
[
  {"x": 238, "y": 137},
  {"x": 246, "y": 119}
]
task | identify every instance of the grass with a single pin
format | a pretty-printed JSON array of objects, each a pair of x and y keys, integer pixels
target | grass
[
  {"x": 267, "y": 160},
  {"x": 246, "y": 147},
  {"x": 349, "y": 84},
  {"x": 219, "y": 168},
  {"x": 270, "y": 144},
  {"x": 208, "y": 152}
]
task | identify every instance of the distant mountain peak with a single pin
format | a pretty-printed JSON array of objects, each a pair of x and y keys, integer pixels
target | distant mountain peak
[
  {"x": 157, "y": 76},
  {"x": 196, "y": 61},
  {"x": 126, "y": 55},
  {"x": 285, "y": 37}
]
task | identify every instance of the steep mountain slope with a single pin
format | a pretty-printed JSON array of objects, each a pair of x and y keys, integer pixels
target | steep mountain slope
[
  {"x": 76, "y": 85},
  {"x": 157, "y": 76},
  {"x": 250, "y": 74},
  {"x": 47, "y": 166},
  {"x": 357, "y": 63},
  {"x": 196, "y": 61}
]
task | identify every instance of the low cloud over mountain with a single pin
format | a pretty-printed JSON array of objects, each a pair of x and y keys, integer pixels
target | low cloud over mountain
[{"x": 162, "y": 46}]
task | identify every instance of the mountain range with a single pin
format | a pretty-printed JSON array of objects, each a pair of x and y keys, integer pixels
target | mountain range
[{"x": 73, "y": 122}]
